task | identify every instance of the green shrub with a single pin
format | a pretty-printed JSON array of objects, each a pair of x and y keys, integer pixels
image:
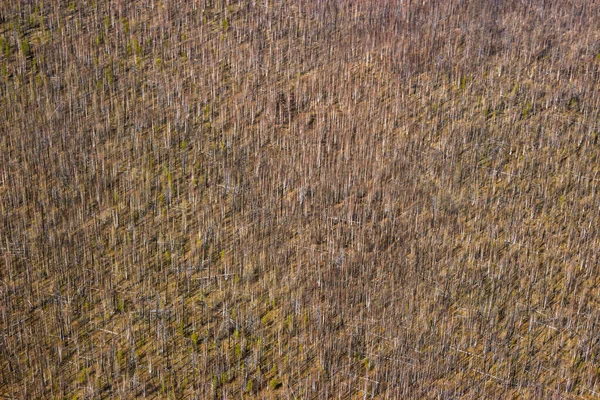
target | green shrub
[{"x": 275, "y": 383}]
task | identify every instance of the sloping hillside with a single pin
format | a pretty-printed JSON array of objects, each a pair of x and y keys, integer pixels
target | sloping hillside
[{"x": 299, "y": 199}]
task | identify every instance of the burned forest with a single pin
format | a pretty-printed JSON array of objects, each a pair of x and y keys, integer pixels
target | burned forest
[{"x": 294, "y": 199}]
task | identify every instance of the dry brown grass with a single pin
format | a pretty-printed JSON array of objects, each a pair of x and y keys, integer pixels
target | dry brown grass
[{"x": 299, "y": 199}]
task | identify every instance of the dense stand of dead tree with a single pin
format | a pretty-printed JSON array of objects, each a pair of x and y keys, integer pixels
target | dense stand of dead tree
[{"x": 299, "y": 199}]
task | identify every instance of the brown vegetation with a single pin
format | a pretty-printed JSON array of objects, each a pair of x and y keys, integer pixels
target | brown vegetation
[{"x": 299, "y": 199}]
